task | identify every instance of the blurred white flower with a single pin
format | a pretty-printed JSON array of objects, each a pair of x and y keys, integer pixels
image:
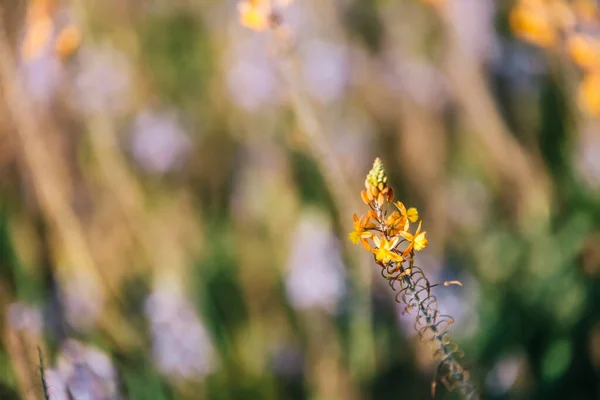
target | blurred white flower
[
  {"x": 159, "y": 142},
  {"x": 315, "y": 270},
  {"x": 504, "y": 374},
  {"x": 181, "y": 345},
  {"x": 102, "y": 81}
]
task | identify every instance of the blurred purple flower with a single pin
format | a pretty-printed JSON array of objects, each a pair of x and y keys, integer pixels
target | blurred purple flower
[
  {"x": 315, "y": 270},
  {"x": 325, "y": 69},
  {"x": 181, "y": 344},
  {"x": 159, "y": 142},
  {"x": 42, "y": 76},
  {"x": 102, "y": 81},
  {"x": 57, "y": 387},
  {"x": 82, "y": 302},
  {"x": 251, "y": 78},
  {"x": 87, "y": 373}
]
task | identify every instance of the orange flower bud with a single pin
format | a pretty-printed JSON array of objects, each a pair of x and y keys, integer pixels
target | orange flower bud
[
  {"x": 374, "y": 191},
  {"x": 364, "y": 197}
]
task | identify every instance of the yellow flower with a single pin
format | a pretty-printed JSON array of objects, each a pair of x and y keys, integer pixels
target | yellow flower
[
  {"x": 360, "y": 231},
  {"x": 254, "y": 14},
  {"x": 384, "y": 252},
  {"x": 532, "y": 23},
  {"x": 412, "y": 214},
  {"x": 396, "y": 223},
  {"x": 584, "y": 50},
  {"x": 589, "y": 93},
  {"x": 418, "y": 241}
]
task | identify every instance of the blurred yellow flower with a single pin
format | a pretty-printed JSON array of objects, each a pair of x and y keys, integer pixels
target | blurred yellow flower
[
  {"x": 584, "y": 50},
  {"x": 254, "y": 14},
  {"x": 418, "y": 241},
  {"x": 587, "y": 11},
  {"x": 68, "y": 41},
  {"x": 531, "y": 22},
  {"x": 589, "y": 93},
  {"x": 384, "y": 252},
  {"x": 37, "y": 36}
]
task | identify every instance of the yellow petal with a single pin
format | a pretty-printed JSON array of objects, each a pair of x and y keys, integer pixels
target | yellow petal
[
  {"x": 401, "y": 207},
  {"x": 366, "y": 244},
  {"x": 412, "y": 214},
  {"x": 420, "y": 241}
]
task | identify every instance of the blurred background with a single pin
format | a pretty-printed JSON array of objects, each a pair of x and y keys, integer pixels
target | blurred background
[{"x": 176, "y": 192}]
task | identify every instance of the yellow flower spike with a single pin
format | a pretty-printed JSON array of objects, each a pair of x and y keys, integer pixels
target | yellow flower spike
[
  {"x": 418, "y": 241},
  {"x": 384, "y": 252}
]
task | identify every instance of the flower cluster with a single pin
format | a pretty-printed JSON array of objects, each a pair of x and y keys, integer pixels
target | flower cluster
[
  {"x": 258, "y": 15},
  {"x": 384, "y": 232},
  {"x": 574, "y": 26}
]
